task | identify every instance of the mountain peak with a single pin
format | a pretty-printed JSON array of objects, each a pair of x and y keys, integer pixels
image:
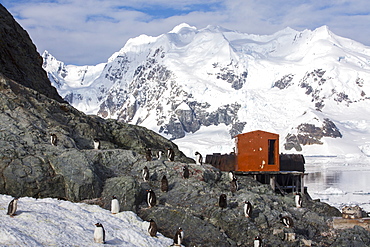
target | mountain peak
[{"x": 181, "y": 26}]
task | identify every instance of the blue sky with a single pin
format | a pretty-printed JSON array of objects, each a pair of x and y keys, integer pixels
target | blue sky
[{"x": 90, "y": 31}]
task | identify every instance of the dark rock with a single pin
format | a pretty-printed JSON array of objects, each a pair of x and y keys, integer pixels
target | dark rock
[
  {"x": 309, "y": 134},
  {"x": 284, "y": 82},
  {"x": 19, "y": 59},
  {"x": 125, "y": 188}
]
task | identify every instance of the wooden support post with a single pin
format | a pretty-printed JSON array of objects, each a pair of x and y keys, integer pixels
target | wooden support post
[
  {"x": 272, "y": 182},
  {"x": 302, "y": 183}
]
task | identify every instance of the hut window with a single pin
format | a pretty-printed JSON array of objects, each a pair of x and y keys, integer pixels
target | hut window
[{"x": 271, "y": 150}]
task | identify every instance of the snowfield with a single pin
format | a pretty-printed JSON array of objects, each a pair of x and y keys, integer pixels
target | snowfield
[{"x": 52, "y": 222}]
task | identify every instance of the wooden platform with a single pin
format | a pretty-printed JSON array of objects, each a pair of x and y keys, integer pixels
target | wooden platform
[
  {"x": 281, "y": 180},
  {"x": 340, "y": 223}
]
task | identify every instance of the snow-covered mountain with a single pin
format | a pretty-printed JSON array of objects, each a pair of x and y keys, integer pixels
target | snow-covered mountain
[{"x": 201, "y": 87}]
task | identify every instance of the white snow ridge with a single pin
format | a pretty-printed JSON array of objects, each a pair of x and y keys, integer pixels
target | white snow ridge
[{"x": 52, "y": 222}]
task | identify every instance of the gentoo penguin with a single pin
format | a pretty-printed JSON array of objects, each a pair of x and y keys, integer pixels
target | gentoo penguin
[
  {"x": 164, "y": 184},
  {"x": 257, "y": 242},
  {"x": 99, "y": 234},
  {"x": 170, "y": 154},
  {"x": 151, "y": 198},
  {"x": 298, "y": 200},
  {"x": 247, "y": 209},
  {"x": 12, "y": 207},
  {"x": 179, "y": 237},
  {"x": 152, "y": 228},
  {"x": 287, "y": 221},
  {"x": 186, "y": 172},
  {"x": 148, "y": 154},
  {"x": 53, "y": 139},
  {"x": 222, "y": 202},
  {"x": 232, "y": 175},
  {"x": 159, "y": 155},
  {"x": 234, "y": 185},
  {"x": 114, "y": 207},
  {"x": 145, "y": 174},
  {"x": 198, "y": 158},
  {"x": 96, "y": 143}
]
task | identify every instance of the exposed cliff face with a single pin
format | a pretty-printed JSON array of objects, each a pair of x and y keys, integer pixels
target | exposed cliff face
[{"x": 19, "y": 59}]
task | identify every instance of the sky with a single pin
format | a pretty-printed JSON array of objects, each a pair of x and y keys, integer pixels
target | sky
[{"x": 88, "y": 32}]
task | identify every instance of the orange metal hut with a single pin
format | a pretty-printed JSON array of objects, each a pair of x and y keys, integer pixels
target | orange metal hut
[{"x": 257, "y": 151}]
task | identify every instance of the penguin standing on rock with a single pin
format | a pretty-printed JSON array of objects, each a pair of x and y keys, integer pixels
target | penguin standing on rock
[
  {"x": 222, "y": 202},
  {"x": 114, "y": 205},
  {"x": 99, "y": 234},
  {"x": 234, "y": 185},
  {"x": 257, "y": 242},
  {"x": 287, "y": 221},
  {"x": 247, "y": 209},
  {"x": 151, "y": 198},
  {"x": 159, "y": 155},
  {"x": 298, "y": 200},
  {"x": 170, "y": 154},
  {"x": 232, "y": 175},
  {"x": 153, "y": 229},
  {"x": 53, "y": 139},
  {"x": 148, "y": 154},
  {"x": 186, "y": 172},
  {"x": 96, "y": 143},
  {"x": 164, "y": 184},
  {"x": 198, "y": 158},
  {"x": 179, "y": 237},
  {"x": 145, "y": 174},
  {"x": 12, "y": 207}
]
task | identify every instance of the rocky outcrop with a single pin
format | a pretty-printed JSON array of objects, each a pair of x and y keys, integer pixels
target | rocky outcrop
[
  {"x": 31, "y": 166},
  {"x": 193, "y": 205},
  {"x": 309, "y": 134},
  {"x": 19, "y": 59}
]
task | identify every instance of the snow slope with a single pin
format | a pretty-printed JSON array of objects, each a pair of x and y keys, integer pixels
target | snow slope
[
  {"x": 52, "y": 222},
  {"x": 189, "y": 84}
]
